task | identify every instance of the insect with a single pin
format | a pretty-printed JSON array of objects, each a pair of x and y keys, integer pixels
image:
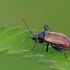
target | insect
[{"x": 58, "y": 41}]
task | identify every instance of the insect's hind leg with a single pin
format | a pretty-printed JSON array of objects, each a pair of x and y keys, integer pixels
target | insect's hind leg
[
  {"x": 46, "y": 28},
  {"x": 65, "y": 54},
  {"x": 59, "y": 48}
]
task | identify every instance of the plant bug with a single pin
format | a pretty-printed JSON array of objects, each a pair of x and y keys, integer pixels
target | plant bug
[{"x": 58, "y": 41}]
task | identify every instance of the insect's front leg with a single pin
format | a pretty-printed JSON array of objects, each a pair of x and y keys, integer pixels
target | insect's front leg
[
  {"x": 33, "y": 46},
  {"x": 36, "y": 45}
]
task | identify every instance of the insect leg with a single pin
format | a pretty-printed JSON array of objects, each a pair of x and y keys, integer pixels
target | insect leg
[
  {"x": 47, "y": 47},
  {"x": 24, "y": 43},
  {"x": 65, "y": 54},
  {"x": 48, "y": 54},
  {"x": 57, "y": 47},
  {"x": 35, "y": 45},
  {"x": 46, "y": 28},
  {"x": 47, "y": 50}
]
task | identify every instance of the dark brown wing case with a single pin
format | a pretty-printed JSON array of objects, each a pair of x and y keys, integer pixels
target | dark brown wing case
[{"x": 55, "y": 37}]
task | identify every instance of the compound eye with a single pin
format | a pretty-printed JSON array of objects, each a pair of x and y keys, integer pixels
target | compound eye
[{"x": 36, "y": 36}]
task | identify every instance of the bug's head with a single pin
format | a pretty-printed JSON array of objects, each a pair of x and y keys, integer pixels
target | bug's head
[
  {"x": 35, "y": 37},
  {"x": 39, "y": 36}
]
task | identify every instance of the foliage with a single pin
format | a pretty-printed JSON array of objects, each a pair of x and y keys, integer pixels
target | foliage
[{"x": 12, "y": 43}]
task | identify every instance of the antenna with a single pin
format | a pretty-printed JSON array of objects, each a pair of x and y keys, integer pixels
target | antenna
[{"x": 22, "y": 19}]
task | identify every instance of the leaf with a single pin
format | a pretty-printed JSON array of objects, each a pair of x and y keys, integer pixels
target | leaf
[
  {"x": 2, "y": 28},
  {"x": 13, "y": 43}
]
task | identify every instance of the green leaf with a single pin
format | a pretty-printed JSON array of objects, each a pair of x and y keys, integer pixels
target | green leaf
[
  {"x": 13, "y": 43},
  {"x": 2, "y": 28}
]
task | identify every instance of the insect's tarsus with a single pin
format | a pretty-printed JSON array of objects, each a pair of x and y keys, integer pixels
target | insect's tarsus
[{"x": 22, "y": 19}]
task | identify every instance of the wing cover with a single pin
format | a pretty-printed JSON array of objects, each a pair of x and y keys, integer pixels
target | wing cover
[{"x": 57, "y": 38}]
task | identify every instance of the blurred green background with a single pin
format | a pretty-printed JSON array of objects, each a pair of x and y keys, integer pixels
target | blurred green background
[{"x": 55, "y": 13}]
